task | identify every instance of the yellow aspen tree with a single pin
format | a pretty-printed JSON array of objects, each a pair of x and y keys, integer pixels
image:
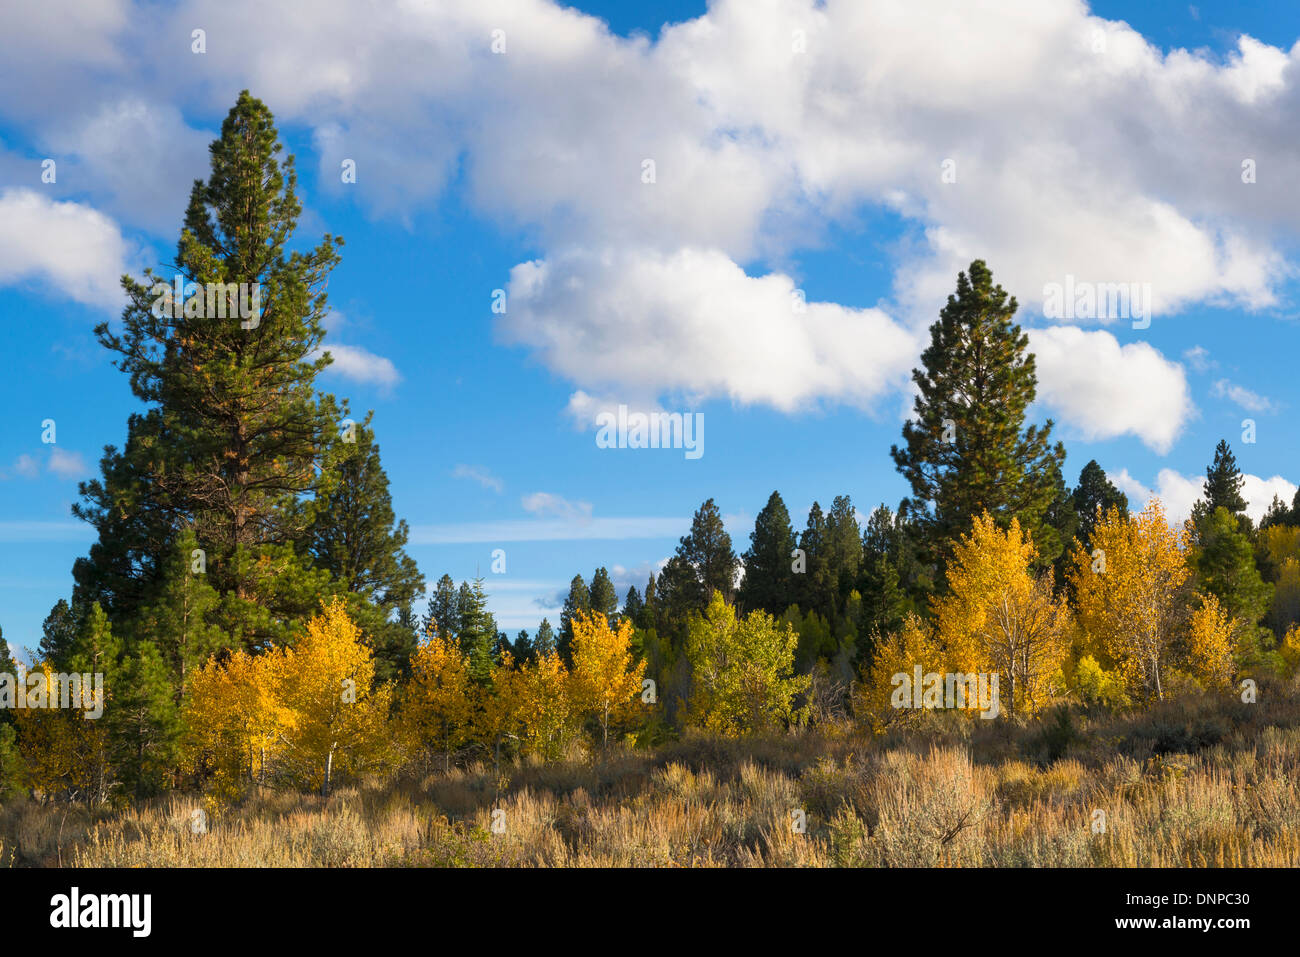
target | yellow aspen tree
[
  {"x": 898, "y": 653},
  {"x": 498, "y": 718},
  {"x": 606, "y": 676},
  {"x": 998, "y": 617},
  {"x": 336, "y": 717},
  {"x": 1210, "y": 643},
  {"x": 1290, "y": 651},
  {"x": 547, "y": 713},
  {"x": 1096, "y": 686},
  {"x": 47, "y": 744},
  {"x": 1280, "y": 543},
  {"x": 438, "y": 708},
  {"x": 63, "y": 748},
  {"x": 233, "y": 722},
  {"x": 1132, "y": 595}
]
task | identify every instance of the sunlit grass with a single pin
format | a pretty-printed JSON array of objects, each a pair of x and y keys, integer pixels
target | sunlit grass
[{"x": 1192, "y": 783}]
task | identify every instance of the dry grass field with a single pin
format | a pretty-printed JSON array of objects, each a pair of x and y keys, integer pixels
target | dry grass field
[{"x": 1195, "y": 782}]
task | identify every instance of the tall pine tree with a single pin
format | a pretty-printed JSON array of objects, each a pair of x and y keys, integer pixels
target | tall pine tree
[
  {"x": 813, "y": 584},
  {"x": 968, "y": 450},
  {"x": 577, "y": 602},
  {"x": 1223, "y": 485},
  {"x": 769, "y": 576},
  {"x": 233, "y": 431},
  {"x": 1093, "y": 498},
  {"x": 478, "y": 630},
  {"x": 353, "y": 534},
  {"x": 58, "y": 633},
  {"x": 704, "y": 563},
  {"x": 441, "y": 617},
  {"x": 602, "y": 596}
]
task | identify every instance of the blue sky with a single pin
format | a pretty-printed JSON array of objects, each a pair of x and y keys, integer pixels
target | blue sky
[{"x": 818, "y": 170}]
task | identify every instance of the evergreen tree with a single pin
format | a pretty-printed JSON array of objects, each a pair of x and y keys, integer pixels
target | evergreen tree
[
  {"x": 95, "y": 650},
  {"x": 884, "y": 606},
  {"x": 144, "y": 722},
  {"x": 843, "y": 551},
  {"x": 1223, "y": 484},
  {"x": 703, "y": 563},
  {"x": 633, "y": 606},
  {"x": 650, "y": 613},
  {"x": 233, "y": 431},
  {"x": 10, "y": 760},
  {"x": 353, "y": 534},
  {"x": 1058, "y": 530},
  {"x": 1278, "y": 514},
  {"x": 442, "y": 616},
  {"x": 578, "y": 602},
  {"x": 602, "y": 596},
  {"x": 544, "y": 644},
  {"x": 967, "y": 451},
  {"x": 889, "y": 542},
  {"x": 706, "y": 552},
  {"x": 7, "y": 667},
  {"x": 769, "y": 577},
  {"x": 1224, "y": 561},
  {"x": 521, "y": 649},
  {"x": 676, "y": 597},
  {"x": 410, "y": 623},
  {"x": 878, "y": 538},
  {"x": 178, "y": 622},
  {"x": 813, "y": 585},
  {"x": 478, "y": 631},
  {"x": 1093, "y": 498},
  {"x": 58, "y": 634}
]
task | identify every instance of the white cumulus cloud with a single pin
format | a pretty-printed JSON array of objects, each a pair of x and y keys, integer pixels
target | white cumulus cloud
[
  {"x": 694, "y": 323},
  {"x": 1104, "y": 390},
  {"x": 361, "y": 365},
  {"x": 1178, "y": 492},
  {"x": 71, "y": 249}
]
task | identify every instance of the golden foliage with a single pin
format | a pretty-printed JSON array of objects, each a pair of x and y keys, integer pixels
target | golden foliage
[
  {"x": 306, "y": 712},
  {"x": 335, "y": 716},
  {"x": 439, "y": 708},
  {"x": 898, "y": 653},
  {"x": 1130, "y": 596},
  {"x": 606, "y": 677},
  {"x": 233, "y": 722},
  {"x": 998, "y": 617},
  {"x": 1290, "y": 650},
  {"x": 1210, "y": 643},
  {"x": 62, "y": 749},
  {"x": 546, "y": 705}
]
